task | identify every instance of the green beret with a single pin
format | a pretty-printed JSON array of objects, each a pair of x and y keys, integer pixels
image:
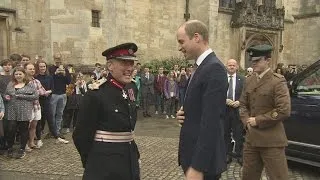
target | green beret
[{"x": 258, "y": 51}]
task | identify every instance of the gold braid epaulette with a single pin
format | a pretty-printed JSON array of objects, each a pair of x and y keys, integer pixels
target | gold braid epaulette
[{"x": 97, "y": 84}]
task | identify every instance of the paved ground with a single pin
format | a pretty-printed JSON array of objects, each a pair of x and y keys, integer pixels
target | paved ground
[{"x": 157, "y": 141}]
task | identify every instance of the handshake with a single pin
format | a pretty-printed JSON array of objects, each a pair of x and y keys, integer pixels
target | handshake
[{"x": 231, "y": 103}]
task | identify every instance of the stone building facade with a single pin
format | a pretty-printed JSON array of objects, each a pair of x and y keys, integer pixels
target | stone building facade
[{"x": 81, "y": 30}]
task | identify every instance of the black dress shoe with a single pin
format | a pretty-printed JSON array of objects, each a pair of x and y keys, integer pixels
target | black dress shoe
[{"x": 229, "y": 159}]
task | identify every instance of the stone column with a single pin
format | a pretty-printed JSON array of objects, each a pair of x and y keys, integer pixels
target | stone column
[{"x": 213, "y": 22}]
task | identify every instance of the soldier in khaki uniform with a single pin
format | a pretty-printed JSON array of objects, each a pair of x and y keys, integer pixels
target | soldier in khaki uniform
[{"x": 264, "y": 104}]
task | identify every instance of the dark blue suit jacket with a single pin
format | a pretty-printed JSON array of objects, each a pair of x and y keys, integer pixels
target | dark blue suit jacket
[{"x": 202, "y": 143}]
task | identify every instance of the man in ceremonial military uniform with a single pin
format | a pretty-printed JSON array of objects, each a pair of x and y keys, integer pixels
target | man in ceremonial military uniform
[
  {"x": 107, "y": 117},
  {"x": 264, "y": 104}
]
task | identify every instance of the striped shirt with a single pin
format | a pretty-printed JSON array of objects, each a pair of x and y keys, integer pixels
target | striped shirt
[{"x": 39, "y": 88}]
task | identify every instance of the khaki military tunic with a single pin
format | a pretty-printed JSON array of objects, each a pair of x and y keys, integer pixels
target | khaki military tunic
[{"x": 268, "y": 100}]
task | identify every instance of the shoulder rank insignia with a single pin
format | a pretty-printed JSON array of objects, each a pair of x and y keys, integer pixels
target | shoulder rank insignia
[
  {"x": 274, "y": 115},
  {"x": 278, "y": 75},
  {"x": 97, "y": 84}
]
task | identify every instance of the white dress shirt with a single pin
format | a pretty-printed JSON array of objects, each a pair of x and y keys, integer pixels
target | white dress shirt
[
  {"x": 203, "y": 56},
  {"x": 234, "y": 79}
]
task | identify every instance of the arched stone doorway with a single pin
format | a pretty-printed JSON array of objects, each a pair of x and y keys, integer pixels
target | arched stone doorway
[{"x": 253, "y": 39}]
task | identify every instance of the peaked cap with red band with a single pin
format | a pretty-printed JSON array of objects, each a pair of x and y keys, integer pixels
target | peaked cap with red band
[{"x": 123, "y": 52}]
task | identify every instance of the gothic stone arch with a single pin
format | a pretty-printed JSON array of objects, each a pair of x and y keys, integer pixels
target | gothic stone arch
[{"x": 260, "y": 37}]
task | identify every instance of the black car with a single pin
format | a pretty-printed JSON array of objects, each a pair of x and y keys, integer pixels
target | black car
[{"x": 303, "y": 127}]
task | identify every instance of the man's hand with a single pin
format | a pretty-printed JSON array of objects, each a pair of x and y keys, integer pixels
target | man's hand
[
  {"x": 248, "y": 127},
  {"x": 48, "y": 93},
  {"x": 229, "y": 102},
  {"x": 252, "y": 121},
  {"x": 7, "y": 97},
  {"x": 1, "y": 115},
  {"x": 193, "y": 174},
  {"x": 180, "y": 115},
  {"x": 235, "y": 104}
]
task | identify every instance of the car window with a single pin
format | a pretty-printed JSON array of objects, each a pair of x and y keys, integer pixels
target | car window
[{"x": 310, "y": 85}]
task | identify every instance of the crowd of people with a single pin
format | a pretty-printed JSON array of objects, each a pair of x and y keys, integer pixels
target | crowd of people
[{"x": 33, "y": 93}]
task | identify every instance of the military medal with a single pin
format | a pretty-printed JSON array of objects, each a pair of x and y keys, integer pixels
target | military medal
[
  {"x": 124, "y": 95},
  {"x": 131, "y": 95}
]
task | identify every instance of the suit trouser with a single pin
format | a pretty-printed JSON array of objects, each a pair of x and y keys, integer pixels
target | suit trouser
[
  {"x": 160, "y": 101},
  {"x": 147, "y": 99},
  {"x": 272, "y": 158},
  {"x": 233, "y": 124}
]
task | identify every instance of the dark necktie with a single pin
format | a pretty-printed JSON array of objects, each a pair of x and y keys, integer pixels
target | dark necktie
[{"x": 230, "y": 90}]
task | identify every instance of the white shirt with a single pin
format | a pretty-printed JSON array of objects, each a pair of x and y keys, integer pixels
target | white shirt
[
  {"x": 198, "y": 62},
  {"x": 203, "y": 56},
  {"x": 234, "y": 79}
]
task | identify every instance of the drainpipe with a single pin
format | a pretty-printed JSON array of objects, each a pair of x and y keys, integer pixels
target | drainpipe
[{"x": 187, "y": 14}]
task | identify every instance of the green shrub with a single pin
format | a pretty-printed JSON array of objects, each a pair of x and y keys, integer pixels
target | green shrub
[{"x": 166, "y": 63}]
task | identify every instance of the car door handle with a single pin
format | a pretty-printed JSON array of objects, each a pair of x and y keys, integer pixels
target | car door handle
[{"x": 308, "y": 115}]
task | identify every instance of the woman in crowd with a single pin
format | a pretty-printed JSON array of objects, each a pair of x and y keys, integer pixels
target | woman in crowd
[
  {"x": 5, "y": 78},
  {"x": 36, "y": 113},
  {"x": 182, "y": 84},
  {"x": 171, "y": 92},
  {"x": 20, "y": 95},
  {"x": 137, "y": 81},
  {"x": 79, "y": 88},
  {"x": 2, "y": 140}
]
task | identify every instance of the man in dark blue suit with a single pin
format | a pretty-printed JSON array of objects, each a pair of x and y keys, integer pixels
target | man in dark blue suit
[
  {"x": 233, "y": 123},
  {"x": 202, "y": 153}
]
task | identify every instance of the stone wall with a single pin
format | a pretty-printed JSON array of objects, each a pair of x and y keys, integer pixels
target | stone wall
[
  {"x": 150, "y": 24},
  {"x": 24, "y": 25},
  {"x": 45, "y": 27},
  {"x": 301, "y": 36},
  {"x": 227, "y": 39},
  {"x": 302, "y": 41}
]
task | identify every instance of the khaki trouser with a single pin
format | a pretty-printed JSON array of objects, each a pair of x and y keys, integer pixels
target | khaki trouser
[{"x": 272, "y": 158}]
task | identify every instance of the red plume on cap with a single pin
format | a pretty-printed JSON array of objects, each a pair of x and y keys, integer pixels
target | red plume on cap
[{"x": 123, "y": 51}]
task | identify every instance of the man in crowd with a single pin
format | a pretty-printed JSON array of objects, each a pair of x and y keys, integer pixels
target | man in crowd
[
  {"x": 97, "y": 71},
  {"x": 147, "y": 91},
  {"x": 233, "y": 124},
  {"x": 264, "y": 104},
  {"x": 159, "y": 92},
  {"x": 61, "y": 78},
  {"x": 5, "y": 78}
]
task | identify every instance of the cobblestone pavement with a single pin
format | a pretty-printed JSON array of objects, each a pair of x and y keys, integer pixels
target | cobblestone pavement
[{"x": 157, "y": 139}]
